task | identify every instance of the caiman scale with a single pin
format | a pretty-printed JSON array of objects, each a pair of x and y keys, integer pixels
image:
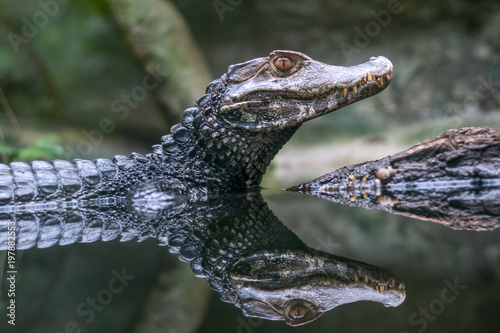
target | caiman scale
[{"x": 224, "y": 143}]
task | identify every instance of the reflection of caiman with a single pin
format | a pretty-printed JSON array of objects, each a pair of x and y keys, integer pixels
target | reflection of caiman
[
  {"x": 234, "y": 241},
  {"x": 224, "y": 143},
  {"x": 453, "y": 180}
]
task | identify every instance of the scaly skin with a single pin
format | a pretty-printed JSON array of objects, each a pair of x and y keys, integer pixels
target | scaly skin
[
  {"x": 223, "y": 144},
  {"x": 453, "y": 179}
]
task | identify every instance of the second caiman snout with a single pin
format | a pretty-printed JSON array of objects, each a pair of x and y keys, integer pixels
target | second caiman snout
[{"x": 288, "y": 88}]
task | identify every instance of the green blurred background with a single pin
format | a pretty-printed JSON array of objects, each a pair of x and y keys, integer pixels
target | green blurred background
[{"x": 73, "y": 79}]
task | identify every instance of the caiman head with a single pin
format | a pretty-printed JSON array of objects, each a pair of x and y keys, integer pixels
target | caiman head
[
  {"x": 288, "y": 88},
  {"x": 227, "y": 141},
  {"x": 298, "y": 286}
]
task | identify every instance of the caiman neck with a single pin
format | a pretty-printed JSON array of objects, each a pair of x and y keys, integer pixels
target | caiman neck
[
  {"x": 206, "y": 152},
  {"x": 227, "y": 141}
]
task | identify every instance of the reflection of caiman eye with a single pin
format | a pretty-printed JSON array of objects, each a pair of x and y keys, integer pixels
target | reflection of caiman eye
[
  {"x": 283, "y": 64},
  {"x": 299, "y": 312}
]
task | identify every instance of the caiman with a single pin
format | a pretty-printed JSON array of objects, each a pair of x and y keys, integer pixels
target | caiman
[
  {"x": 249, "y": 257},
  {"x": 453, "y": 180},
  {"x": 223, "y": 144}
]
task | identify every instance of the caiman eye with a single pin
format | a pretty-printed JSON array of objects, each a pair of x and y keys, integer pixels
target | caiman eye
[
  {"x": 298, "y": 311},
  {"x": 283, "y": 64}
]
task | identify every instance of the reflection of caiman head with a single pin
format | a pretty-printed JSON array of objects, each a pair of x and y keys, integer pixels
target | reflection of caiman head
[{"x": 298, "y": 287}]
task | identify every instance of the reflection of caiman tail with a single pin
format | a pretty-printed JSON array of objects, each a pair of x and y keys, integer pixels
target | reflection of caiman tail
[
  {"x": 234, "y": 241},
  {"x": 453, "y": 180}
]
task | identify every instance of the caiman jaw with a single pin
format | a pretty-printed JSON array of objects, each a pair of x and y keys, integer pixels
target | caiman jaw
[
  {"x": 299, "y": 286},
  {"x": 288, "y": 88}
]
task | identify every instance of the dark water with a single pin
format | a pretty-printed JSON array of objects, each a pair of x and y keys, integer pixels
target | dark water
[{"x": 450, "y": 276}]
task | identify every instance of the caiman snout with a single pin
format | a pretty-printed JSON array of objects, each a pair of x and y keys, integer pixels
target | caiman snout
[{"x": 288, "y": 88}]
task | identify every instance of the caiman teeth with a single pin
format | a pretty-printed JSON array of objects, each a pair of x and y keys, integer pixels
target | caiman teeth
[
  {"x": 380, "y": 287},
  {"x": 365, "y": 80},
  {"x": 360, "y": 84}
]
